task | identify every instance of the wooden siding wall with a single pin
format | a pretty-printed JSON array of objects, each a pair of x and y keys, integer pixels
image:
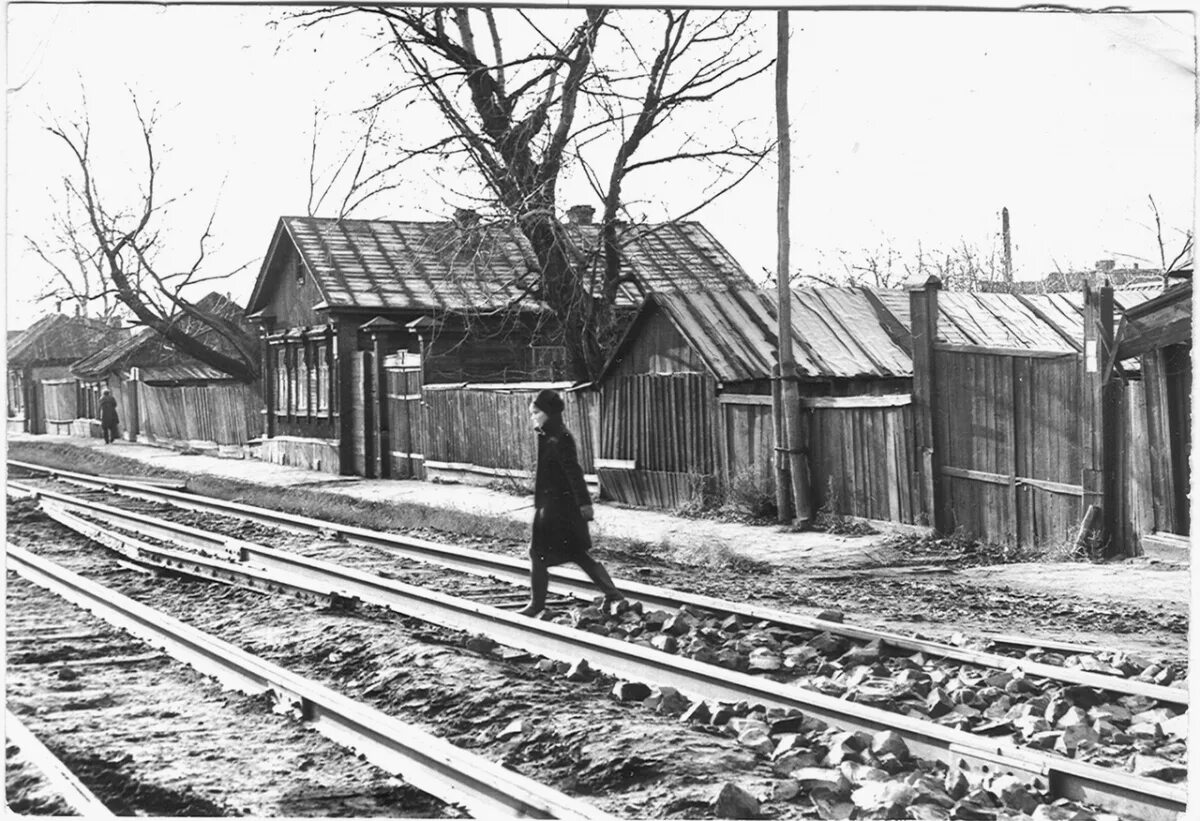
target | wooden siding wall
[
  {"x": 665, "y": 426},
  {"x": 1134, "y": 466},
  {"x": 226, "y": 414},
  {"x": 1165, "y": 407},
  {"x": 487, "y": 429},
  {"x": 659, "y": 349},
  {"x": 862, "y": 461},
  {"x": 291, "y": 303},
  {"x": 1007, "y": 438}
]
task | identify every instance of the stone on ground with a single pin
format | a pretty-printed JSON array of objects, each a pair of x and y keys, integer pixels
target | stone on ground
[{"x": 734, "y": 802}]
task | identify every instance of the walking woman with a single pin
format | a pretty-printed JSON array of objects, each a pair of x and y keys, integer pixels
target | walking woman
[{"x": 562, "y": 507}]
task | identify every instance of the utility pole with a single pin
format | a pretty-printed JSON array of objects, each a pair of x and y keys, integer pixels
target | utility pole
[
  {"x": 786, "y": 390},
  {"x": 1007, "y": 236}
]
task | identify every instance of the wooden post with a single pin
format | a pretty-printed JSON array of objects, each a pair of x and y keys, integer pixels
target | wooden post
[
  {"x": 133, "y": 425},
  {"x": 789, "y": 398},
  {"x": 347, "y": 347},
  {"x": 381, "y": 331},
  {"x": 923, "y": 305},
  {"x": 1099, "y": 417},
  {"x": 269, "y": 380},
  {"x": 783, "y": 485}
]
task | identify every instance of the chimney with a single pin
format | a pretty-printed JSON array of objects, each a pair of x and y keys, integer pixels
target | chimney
[
  {"x": 580, "y": 214},
  {"x": 466, "y": 218}
]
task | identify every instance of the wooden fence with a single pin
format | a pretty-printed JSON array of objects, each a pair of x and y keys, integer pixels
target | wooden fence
[
  {"x": 225, "y": 414},
  {"x": 658, "y": 445},
  {"x": 485, "y": 430}
]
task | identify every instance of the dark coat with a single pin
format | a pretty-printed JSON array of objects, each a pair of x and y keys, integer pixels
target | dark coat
[
  {"x": 559, "y": 532},
  {"x": 108, "y": 411}
]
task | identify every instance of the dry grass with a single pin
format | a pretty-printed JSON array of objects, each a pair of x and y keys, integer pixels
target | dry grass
[{"x": 716, "y": 556}]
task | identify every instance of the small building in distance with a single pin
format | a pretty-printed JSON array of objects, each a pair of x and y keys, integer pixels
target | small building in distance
[
  {"x": 42, "y": 393},
  {"x": 165, "y": 396}
]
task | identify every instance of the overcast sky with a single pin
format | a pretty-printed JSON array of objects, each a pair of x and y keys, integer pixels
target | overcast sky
[{"x": 907, "y": 127}]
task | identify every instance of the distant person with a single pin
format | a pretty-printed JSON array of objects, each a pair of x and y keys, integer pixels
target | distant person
[
  {"x": 108, "y": 416},
  {"x": 562, "y": 507}
]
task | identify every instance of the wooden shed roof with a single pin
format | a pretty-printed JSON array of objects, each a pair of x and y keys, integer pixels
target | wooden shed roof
[
  {"x": 855, "y": 333},
  {"x": 1163, "y": 320},
  {"x": 58, "y": 338},
  {"x": 836, "y": 332},
  {"x": 438, "y": 266}
]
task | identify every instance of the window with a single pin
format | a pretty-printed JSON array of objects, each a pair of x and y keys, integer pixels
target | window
[
  {"x": 281, "y": 381},
  {"x": 300, "y": 379},
  {"x": 322, "y": 381}
]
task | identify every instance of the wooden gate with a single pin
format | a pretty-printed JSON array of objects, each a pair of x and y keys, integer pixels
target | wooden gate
[
  {"x": 1007, "y": 439},
  {"x": 404, "y": 435}
]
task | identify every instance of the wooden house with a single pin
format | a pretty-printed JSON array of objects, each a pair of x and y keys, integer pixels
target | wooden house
[
  {"x": 43, "y": 396},
  {"x": 167, "y": 397},
  {"x": 355, "y": 314}
]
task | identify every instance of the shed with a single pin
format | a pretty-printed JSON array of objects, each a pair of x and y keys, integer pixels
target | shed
[
  {"x": 336, "y": 299},
  {"x": 687, "y": 402},
  {"x": 42, "y": 393}
]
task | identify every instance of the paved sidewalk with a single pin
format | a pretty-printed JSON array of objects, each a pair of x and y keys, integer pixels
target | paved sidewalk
[{"x": 809, "y": 551}]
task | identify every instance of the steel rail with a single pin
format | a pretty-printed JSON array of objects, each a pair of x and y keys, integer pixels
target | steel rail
[
  {"x": 575, "y": 583},
  {"x": 1115, "y": 791},
  {"x": 483, "y": 787},
  {"x": 59, "y": 776}
]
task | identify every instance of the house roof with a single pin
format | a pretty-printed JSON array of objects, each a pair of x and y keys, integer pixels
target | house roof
[
  {"x": 388, "y": 265},
  {"x": 58, "y": 338},
  {"x": 146, "y": 348},
  {"x": 847, "y": 333}
]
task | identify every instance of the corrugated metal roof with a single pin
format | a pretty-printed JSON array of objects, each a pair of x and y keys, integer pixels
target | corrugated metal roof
[
  {"x": 383, "y": 264},
  {"x": 836, "y": 333},
  {"x": 62, "y": 338}
]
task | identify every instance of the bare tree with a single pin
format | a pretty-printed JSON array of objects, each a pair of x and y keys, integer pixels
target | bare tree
[
  {"x": 961, "y": 267},
  {"x": 107, "y": 252},
  {"x": 1182, "y": 258},
  {"x": 520, "y": 100}
]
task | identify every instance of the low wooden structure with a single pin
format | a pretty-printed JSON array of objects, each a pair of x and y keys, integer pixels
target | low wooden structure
[
  {"x": 43, "y": 395},
  {"x": 339, "y": 301},
  {"x": 687, "y": 407}
]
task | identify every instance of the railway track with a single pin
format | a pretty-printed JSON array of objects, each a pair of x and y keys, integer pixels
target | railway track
[
  {"x": 52, "y": 788},
  {"x": 183, "y": 549},
  {"x": 425, "y": 761},
  {"x": 571, "y": 584}
]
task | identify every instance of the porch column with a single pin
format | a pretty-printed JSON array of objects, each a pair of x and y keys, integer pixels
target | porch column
[{"x": 347, "y": 346}]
